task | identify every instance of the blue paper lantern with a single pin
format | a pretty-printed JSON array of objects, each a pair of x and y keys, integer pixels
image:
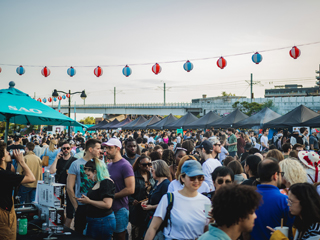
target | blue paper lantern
[
  {"x": 126, "y": 71},
  {"x": 54, "y": 99},
  {"x": 188, "y": 66},
  {"x": 257, "y": 58},
  {"x": 64, "y": 97},
  {"x": 71, "y": 71},
  {"x": 44, "y": 100},
  {"x": 20, "y": 70}
]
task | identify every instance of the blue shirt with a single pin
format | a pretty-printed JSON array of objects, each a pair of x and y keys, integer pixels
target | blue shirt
[
  {"x": 52, "y": 155},
  {"x": 274, "y": 207}
]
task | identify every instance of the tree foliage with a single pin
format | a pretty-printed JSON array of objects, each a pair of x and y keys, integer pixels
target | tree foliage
[
  {"x": 88, "y": 120},
  {"x": 252, "y": 108},
  {"x": 225, "y": 94}
]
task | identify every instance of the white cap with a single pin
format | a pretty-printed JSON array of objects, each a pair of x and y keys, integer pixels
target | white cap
[
  {"x": 313, "y": 131},
  {"x": 113, "y": 142}
]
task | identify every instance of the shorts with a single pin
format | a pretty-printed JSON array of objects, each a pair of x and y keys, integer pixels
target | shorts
[
  {"x": 122, "y": 220},
  {"x": 69, "y": 208}
]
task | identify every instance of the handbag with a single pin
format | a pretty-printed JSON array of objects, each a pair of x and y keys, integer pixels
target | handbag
[{"x": 45, "y": 159}]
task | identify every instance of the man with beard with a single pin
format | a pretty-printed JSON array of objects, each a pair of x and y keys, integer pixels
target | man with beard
[
  {"x": 60, "y": 166},
  {"x": 131, "y": 150},
  {"x": 274, "y": 205}
]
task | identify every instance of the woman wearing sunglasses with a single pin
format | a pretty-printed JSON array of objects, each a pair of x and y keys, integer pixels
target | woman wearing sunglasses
[
  {"x": 177, "y": 185},
  {"x": 144, "y": 182},
  {"x": 187, "y": 217}
]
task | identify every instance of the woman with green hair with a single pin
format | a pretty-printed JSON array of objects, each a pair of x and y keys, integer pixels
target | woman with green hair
[{"x": 100, "y": 217}]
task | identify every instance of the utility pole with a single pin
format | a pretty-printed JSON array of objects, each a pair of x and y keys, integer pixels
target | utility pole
[
  {"x": 251, "y": 87},
  {"x": 318, "y": 78},
  {"x": 251, "y": 83},
  {"x": 164, "y": 88}
]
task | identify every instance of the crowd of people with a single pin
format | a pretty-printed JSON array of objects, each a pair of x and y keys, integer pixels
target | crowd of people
[{"x": 214, "y": 184}]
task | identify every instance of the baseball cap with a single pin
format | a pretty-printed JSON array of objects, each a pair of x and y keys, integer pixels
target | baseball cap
[
  {"x": 192, "y": 168},
  {"x": 113, "y": 142},
  {"x": 314, "y": 130},
  {"x": 207, "y": 145}
]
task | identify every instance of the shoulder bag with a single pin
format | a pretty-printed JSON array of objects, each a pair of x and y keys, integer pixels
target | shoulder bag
[{"x": 45, "y": 159}]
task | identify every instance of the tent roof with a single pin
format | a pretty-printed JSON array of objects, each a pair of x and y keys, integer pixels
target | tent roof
[
  {"x": 159, "y": 125},
  {"x": 229, "y": 120},
  {"x": 313, "y": 122},
  {"x": 203, "y": 121},
  {"x": 104, "y": 122},
  {"x": 258, "y": 119},
  {"x": 151, "y": 121},
  {"x": 296, "y": 117},
  {"x": 180, "y": 123},
  {"x": 120, "y": 124},
  {"x": 106, "y": 126},
  {"x": 137, "y": 121}
]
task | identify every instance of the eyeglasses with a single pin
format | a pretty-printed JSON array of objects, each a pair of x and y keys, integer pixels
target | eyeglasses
[
  {"x": 282, "y": 174},
  {"x": 200, "y": 178},
  {"x": 221, "y": 181},
  {"x": 290, "y": 202},
  {"x": 146, "y": 164},
  {"x": 65, "y": 148}
]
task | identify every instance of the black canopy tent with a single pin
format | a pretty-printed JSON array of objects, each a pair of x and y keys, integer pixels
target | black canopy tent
[
  {"x": 203, "y": 121},
  {"x": 258, "y": 119},
  {"x": 121, "y": 124},
  {"x": 160, "y": 125},
  {"x": 144, "y": 125},
  {"x": 229, "y": 120},
  {"x": 294, "y": 118},
  {"x": 180, "y": 123},
  {"x": 137, "y": 121},
  {"x": 97, "y": 126},
  {"x": 106, "y": 126},
  {"x": 313, "y": 122}
]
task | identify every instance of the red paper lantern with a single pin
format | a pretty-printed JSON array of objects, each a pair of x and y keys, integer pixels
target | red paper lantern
[
  {"x": 67, "y": 95},
  {"x": 0, "y": 69},
  {"x": 59, "y": 98},
  {"x": 98, "y": 71},
  {"x": 156, "y": 69},
  {"x": 222, "y": 63},
  {"x": 45, "y": 72},
  {"x": 295, "y": 52},
  {"x": 49, "y": 99},
  {"x": 39, "y": 100}
]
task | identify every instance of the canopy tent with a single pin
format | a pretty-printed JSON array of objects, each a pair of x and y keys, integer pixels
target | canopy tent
[
  {"x": 182, "y": 122},
  {"x": 144, "y": 125},
  {"x": 160, "y": 125},
  {"x": 294, "y": 118},
  {"x": 258, "y": 119},
  {"x": 202, "y": 122},
  {"x": 18, "y": 107},
  {"x": 120, "y": 124},
  {"x": 106, "y": 126},
  {"x": 95, "y": 127},
  {"x": 137, "y": 121},
  {"x": 229, "y": 120},
  {"x": 313, "y": 122}
]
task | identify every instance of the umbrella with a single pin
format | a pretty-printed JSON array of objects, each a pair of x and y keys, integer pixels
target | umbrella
[
  {"x": 159, "y": 125},
  {"x": 95, "y": 127},
  {"x": 120, "y": 124},
  {"x": 182, "y": 122},
  {"x": 144, "y": 125},
  {"x": 202, "y": 122},
  {"x": 18, "y": 107},
  {"x": 137, "y": 121},
  {"x": 106, "y": 126},
  {"x": 229, "y": 120}
]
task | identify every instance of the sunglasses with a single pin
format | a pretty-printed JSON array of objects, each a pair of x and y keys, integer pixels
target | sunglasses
[
  {"x": 200, "y": 178},
  {"x": 146, "y": 164},
  {"x": 217, "y": 145},
  {"x": 65, "y": 148},
  {"x": 282, "y": 173},
  {"x": 220, "y": 181}
]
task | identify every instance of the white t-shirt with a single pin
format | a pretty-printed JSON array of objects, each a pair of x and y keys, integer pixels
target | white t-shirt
[
  {"x": 191, "y": 210},
  {"x": 264, "y": 139},
  {"x": 150, "y": 139},
  {"x": 175, "y": 185},
  {"x": 223, "y": 154},
  {"x": 208, "y": 167}
]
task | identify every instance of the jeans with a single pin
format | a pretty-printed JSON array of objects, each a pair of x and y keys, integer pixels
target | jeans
[
  {"x": 27, "y": 194},
  {"x": 232, "y": 154},
  {"x": 101, "y": 228}
]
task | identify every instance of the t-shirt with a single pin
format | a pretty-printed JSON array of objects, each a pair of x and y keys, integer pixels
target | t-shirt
[
  {"x": 187, "y": 216},
  {"x": 313, "y": 140},
  {"x": 82, "y": 184},
  {"x": 61, "y": 176},
  {"x": 264, "y": 139},
  {"x": 232, "y": 139},
  {"x": 158, "y": 191},
  {"x": 223, "y": 154},
  {"x": 208, "y": 167},
  {"x": 8, "y": 181},
  {"x": 131, "y": 160},
  {"x": 106, "y": 190},
  {"x": 175, "y": 185},
  {"x": 119, "y": 171}
]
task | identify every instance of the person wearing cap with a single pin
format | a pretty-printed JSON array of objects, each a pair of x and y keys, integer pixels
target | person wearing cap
[
  {"x": 78, "y": 183},
  {"x": 187, "y": 216},
  {"x": 206, "y": 149},
  {"x": 121, "y": 172},
  {"x": 313, "y": 140}
]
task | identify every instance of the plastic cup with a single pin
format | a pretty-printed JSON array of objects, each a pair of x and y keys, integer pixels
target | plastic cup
[
  {"x": 207, "y": 209},
  {"x": 284, "y": 230}
]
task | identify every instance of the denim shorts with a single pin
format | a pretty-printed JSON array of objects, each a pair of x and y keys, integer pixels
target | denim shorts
[
  {"x": 122, "y": 220},
  {"x": 101, "y": 228}
]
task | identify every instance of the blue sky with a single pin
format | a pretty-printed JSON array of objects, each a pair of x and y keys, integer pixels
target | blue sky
[{"x": 85, "y": 34}]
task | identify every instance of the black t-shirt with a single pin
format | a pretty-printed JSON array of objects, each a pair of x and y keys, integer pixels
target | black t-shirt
[
  {"x": 8, "y": 180},
  {"x": 61, "y": 174},
  {"x": 106, "y": 190}
]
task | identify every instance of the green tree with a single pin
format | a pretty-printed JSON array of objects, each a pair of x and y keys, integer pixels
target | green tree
[
  {"x": 252, "y": 108},
  {"x": 88, "y": 120},
  {"x": 225, "y": 94}
]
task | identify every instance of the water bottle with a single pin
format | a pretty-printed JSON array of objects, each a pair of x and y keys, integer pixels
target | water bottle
[{"x": 23, "y": 225}]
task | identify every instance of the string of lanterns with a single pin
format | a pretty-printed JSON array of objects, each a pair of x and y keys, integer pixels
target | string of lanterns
[
  {"x": 156, "y": 68},
  {"x": 50, "y": 99}
]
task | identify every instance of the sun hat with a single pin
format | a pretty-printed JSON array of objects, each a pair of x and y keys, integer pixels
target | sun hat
[
  {"x": 309, "y": 159},
  {"x": 113, "y": 142},
  {"x": 192, "y": 168}
]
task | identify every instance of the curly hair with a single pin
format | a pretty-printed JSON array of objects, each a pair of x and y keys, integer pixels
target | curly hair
[
  {"x": 293, "y": 171},
  {"x": 233, "y": 203},
  {"x": 168, "y": 156},
  {"x": 275, "y": 153}
]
